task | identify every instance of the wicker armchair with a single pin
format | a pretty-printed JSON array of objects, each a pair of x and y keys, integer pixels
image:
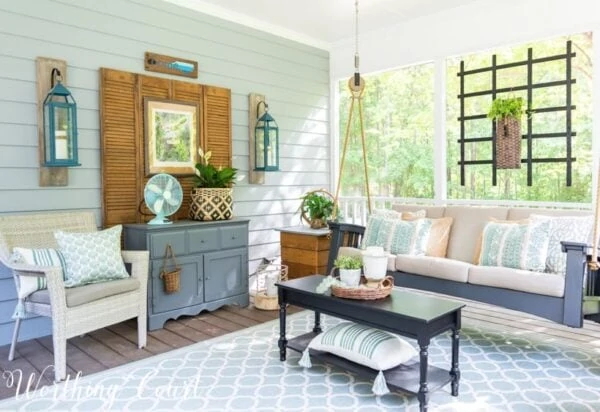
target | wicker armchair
[{"x": 127, "y": 299}]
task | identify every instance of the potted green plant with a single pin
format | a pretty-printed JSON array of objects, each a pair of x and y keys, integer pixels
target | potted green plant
[
  {"x": 317, "y": 207},
  {"x": 507, "y": 113},
  {"x": 350, "y": 269},
  {"x": 212, "y": 198}
]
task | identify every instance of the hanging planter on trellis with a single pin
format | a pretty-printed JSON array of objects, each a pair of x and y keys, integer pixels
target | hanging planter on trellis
[{"x": 507, "y": 114}]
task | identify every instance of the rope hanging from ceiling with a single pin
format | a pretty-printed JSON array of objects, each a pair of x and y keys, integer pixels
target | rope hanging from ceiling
[{"x": 356, "y": 84}]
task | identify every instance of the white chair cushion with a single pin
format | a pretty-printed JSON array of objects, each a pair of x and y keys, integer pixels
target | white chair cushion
[
  {"x": 435, "y": 267},
  {"x": 364, "y": 345},
  {"x": 523, "y": 280},
  {"x": 92, "y": 257}
]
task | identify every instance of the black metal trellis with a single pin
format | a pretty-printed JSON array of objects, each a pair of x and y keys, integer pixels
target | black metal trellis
[{"x": 568, "y": 134}]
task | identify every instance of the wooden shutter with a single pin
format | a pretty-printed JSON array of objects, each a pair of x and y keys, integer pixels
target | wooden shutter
[
  {"x": 218, "y": 125},
  {"x": 118, "y": 125}
]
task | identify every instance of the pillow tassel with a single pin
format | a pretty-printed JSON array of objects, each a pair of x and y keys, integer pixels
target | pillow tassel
[
  {"x": 305, "y": 359},
  {"x": 379, "y": 385},
  {"x": 19, "y": 310}
]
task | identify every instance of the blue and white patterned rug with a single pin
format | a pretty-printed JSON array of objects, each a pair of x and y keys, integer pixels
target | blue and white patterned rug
[{"x": 242, "y": 371}]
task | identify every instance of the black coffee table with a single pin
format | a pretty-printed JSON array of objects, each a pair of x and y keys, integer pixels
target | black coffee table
[{"x": 406, "y": 313}]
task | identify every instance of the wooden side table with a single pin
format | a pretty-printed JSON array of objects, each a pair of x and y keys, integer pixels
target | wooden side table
[{"x": 304, "y": 250}]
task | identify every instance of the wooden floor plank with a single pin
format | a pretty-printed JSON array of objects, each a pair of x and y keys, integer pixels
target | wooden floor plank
[
  {"x": 129, "y": 332},
  {"x": 15, "y": 373},
  {"x": 185, "y": 331},
  {"x": 119, "y": 344},
  {"x": 41, "y": 358},
  {"x": 77, "y": 360},
  {"x": 171, "y": 339},
  {"x": 243, "y": 321},
  {"x": 204, "y": 327},
  {"x": 98, "y": 351},
  {"x": 220, "y": 322}
]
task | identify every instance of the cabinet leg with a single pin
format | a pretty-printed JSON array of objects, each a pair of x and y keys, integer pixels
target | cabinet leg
[
  {"x": 454, "y": 370},
  {"x": 317, "y": 327}
]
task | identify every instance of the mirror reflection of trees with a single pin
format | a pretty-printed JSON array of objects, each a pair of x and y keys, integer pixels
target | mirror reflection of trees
[{"x": 399, "y": 125}]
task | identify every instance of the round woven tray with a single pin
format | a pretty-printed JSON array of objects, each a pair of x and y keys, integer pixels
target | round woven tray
[{"x": 382, "y": 290}]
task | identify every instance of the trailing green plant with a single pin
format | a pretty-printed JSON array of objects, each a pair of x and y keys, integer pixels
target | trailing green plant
[
  {"x": 507, "y": 107},
  {"x": 348, "y": 262},
  {"x": 317, "y": 206},
  {"x": 208, "y": 175}
]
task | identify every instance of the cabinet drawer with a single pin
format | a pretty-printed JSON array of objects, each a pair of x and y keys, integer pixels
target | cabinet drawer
[
  {"x": 159, "y": 241},
  {"x": 234, "y": 236},
  {"x": 201, "y": 240}
]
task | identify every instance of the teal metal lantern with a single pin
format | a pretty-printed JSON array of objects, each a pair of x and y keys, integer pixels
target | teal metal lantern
[
  {"x": 60, "y": 125},
  {"x": 266, "y": 142}
]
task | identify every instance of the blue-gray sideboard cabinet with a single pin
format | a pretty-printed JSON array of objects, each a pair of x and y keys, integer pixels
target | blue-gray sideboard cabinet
[{"x": 213, "y": 257}]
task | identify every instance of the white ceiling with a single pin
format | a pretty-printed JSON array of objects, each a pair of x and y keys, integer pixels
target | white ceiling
[{"x": 321, "y": 23}]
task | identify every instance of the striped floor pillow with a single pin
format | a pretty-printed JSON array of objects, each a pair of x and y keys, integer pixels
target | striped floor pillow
[{"x": 376, "y": 349}]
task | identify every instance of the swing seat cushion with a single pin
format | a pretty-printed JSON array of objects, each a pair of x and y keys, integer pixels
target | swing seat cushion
[{"x": 364, "y": 345}]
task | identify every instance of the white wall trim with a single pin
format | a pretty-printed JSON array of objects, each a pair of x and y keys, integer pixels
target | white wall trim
[{"x": 245, "y": 20}]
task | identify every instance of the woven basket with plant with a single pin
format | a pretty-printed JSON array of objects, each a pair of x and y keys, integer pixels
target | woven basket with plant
[
  {"x": 507, "y": 113},
  {"x": 212, "y": 199}
]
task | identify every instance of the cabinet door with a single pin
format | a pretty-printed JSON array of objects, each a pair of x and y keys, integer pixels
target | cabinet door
[
  {"x": 225, "y": 274},
  {"x": 190, "y": 285}
]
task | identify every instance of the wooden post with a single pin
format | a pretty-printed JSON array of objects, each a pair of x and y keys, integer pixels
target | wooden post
[
  {"x": 49, "y": 176},
  {"x": 257, "y": 178}
]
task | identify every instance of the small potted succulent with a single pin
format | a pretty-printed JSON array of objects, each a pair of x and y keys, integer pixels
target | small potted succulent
[{"x": 350, "y": 269}]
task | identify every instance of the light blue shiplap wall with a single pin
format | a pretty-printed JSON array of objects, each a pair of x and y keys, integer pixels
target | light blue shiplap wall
[{"x": 90, "y": 34}]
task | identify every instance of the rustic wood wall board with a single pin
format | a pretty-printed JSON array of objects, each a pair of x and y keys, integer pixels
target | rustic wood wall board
[
  {"x": 254, "y": 177},
  {"x": 161, "y": 63},
  {"x": 123, "y": 146}
]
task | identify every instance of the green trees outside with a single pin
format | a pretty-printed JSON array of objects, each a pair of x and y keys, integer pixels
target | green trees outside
[
  {"x": 399, "y": 125},
  {"x": 398, "y": 115}
]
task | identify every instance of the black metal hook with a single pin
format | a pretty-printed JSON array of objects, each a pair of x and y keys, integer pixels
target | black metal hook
[{"x": 55, "y": 76}]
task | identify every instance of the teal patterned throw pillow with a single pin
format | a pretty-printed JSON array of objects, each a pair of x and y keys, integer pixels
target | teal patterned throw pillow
[
  {"x": 371, "y": 237},
  {"x": 516, "y": 245},
  {"x": 409, "y": 237},
  {"x": 92, "y": 257}
]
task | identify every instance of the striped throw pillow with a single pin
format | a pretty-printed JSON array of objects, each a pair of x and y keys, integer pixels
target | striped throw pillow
[
  {"x": 364, "y": 345},
  {"x": 35, "y": 257},
  {"x": 516, "y": 245}
]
